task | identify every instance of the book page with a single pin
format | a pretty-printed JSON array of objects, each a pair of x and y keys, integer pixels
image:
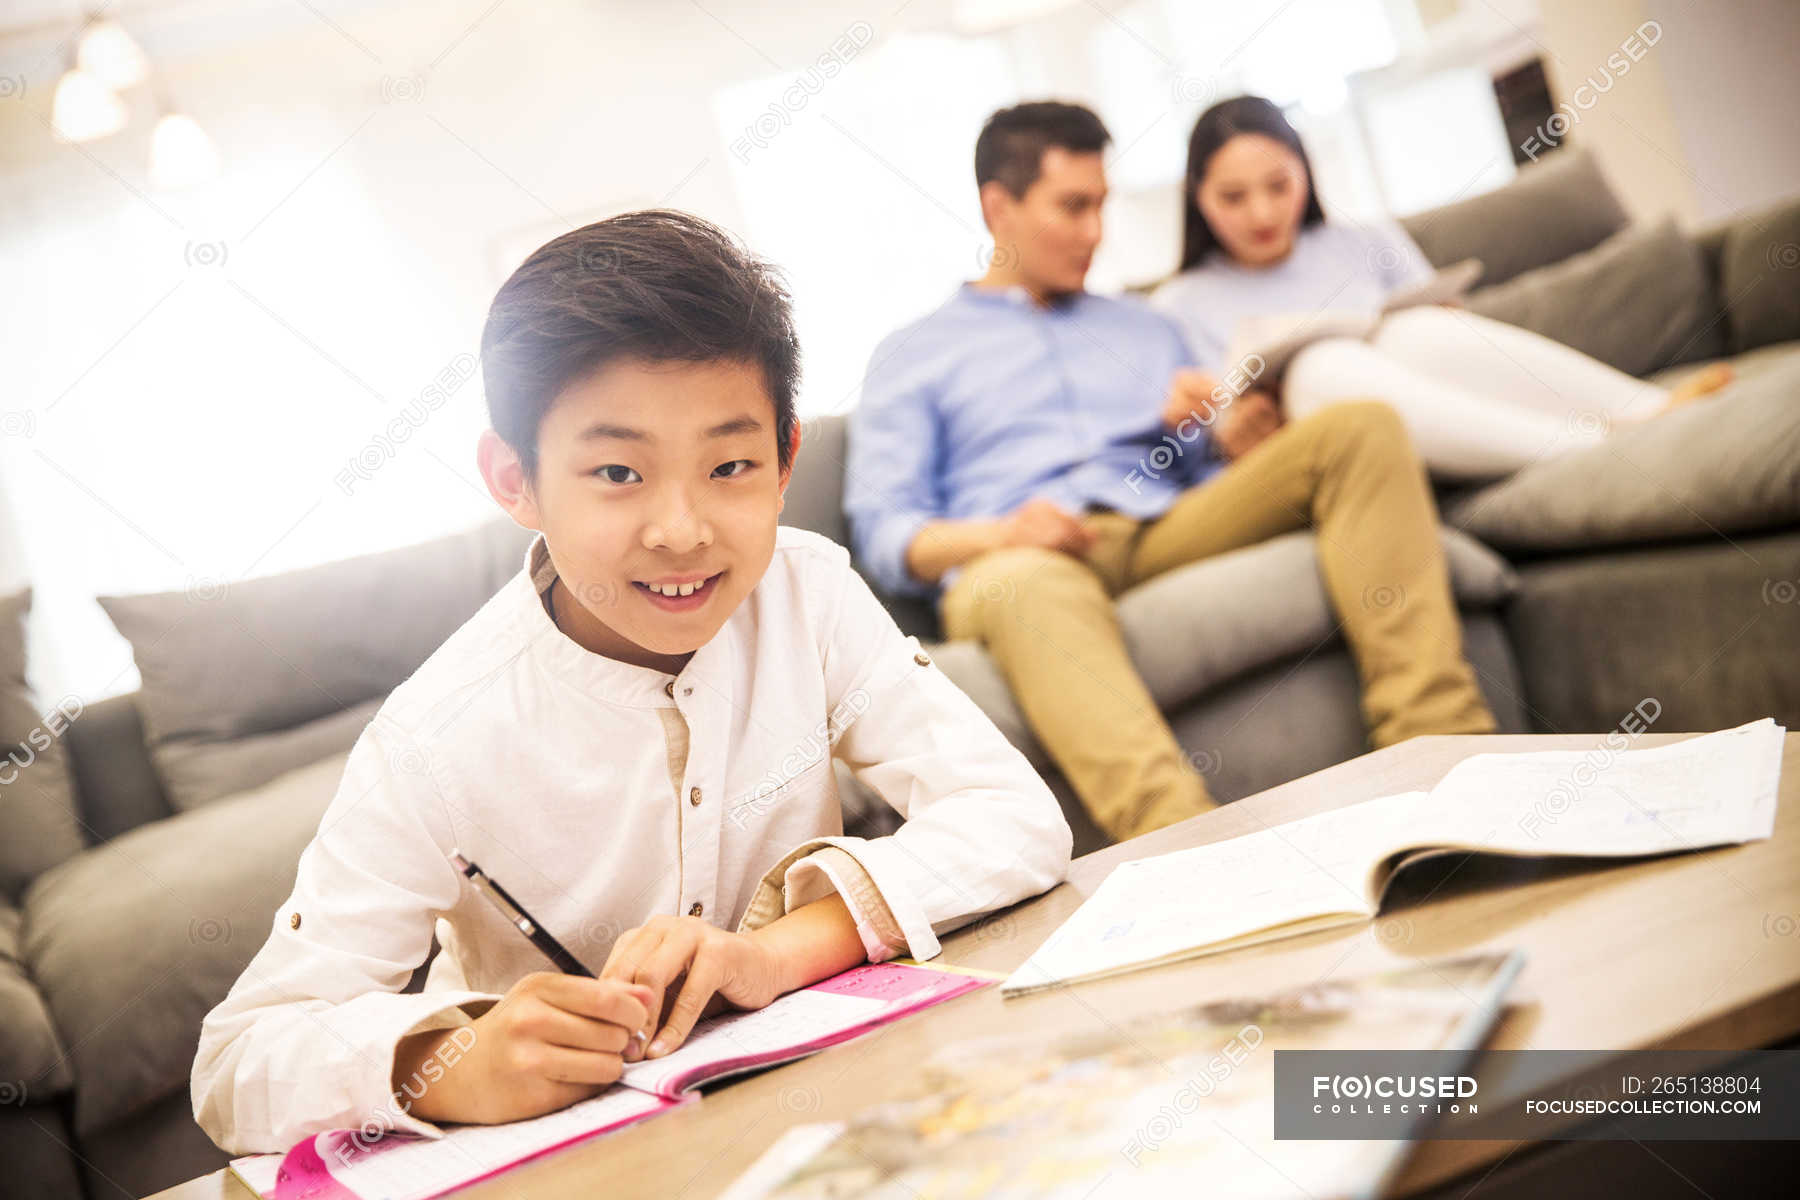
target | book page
[
  {"x": 1276, "y": 337},
  {"x": 787, "y": 1025},
  {"x": 1714, "y": 789},
  {"x": 1292, "y": 877},
  {"x": 799, "y": 1023},
  {"x": 405, "y": 1167},
  {"x": 1451, "y": 283}
]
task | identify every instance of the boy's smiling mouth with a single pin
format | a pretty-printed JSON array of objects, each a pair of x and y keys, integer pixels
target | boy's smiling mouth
[{"x": 677, "y": 593}]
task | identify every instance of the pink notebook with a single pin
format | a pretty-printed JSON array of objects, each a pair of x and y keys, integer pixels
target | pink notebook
[{"x": 343, "y": 1165}]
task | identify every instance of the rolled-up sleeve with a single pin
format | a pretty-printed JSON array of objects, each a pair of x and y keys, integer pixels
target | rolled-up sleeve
[
  {"x": 305, "y": 1040},
  {"x": 891, "y": 486},
  {"x": 981, "y": 831}
]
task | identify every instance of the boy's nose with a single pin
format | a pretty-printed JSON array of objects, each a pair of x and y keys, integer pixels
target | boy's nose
[{"x": 679, "y": 529}]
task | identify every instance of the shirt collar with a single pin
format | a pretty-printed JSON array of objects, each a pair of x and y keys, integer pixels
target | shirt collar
[
  {"x": 1016, "y": 297},
  {"x": 596, "y": 674}
]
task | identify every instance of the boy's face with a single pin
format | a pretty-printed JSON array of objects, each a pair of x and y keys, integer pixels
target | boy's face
[{"x": 657, "y": 491}]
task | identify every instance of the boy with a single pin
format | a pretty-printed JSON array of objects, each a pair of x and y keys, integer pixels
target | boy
[{"x": 635, "y": 736}]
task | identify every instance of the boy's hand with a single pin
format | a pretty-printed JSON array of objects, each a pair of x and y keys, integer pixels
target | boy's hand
[
  {"x": 551, "y": 1040},
  {"x": 709, "y": 965}
]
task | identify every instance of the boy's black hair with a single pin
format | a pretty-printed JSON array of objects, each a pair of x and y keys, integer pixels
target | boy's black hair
[
  {"x": 1011, "y": 147},
  {"x": 657, "y": 285}
]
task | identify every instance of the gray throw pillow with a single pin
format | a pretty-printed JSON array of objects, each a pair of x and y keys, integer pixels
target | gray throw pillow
[
  {"x": 38, "y": 820},
  {"x": 1640, "y": 301},
  {"x": 270, "y": 673},
  {"x": 1759, "y": 269},
  {"x": 1558, "y": 207},
  {"x": 1722, "y": 465}
]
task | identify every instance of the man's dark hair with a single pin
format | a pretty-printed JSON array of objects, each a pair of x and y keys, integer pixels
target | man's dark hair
[
  {"x": 1011, "y": 147},
  {"x": 657, "y": 285}
]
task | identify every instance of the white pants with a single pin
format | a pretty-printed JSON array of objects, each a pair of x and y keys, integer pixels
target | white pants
[{"x": 1481, "y": 398}]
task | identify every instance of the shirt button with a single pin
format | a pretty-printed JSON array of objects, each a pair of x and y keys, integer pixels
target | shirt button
[
  {"x": 294, "y": 921},
  {"x": 694, "y": 796},
  {"x": 922, "y": 659},
  {"x": 696, "y": 908},
  {"x": 669, "y": 689}
]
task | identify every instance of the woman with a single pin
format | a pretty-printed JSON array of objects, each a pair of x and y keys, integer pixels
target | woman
[{"x": 1480, "y": 397}]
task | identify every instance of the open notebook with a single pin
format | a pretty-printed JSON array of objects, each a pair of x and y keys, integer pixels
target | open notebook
[
  {"x": 343, "y": 1164},
  {"x": 1333, "y": 868}
]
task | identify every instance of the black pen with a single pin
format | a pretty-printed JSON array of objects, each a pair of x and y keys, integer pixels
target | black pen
[{"x": 516, "y": 916}]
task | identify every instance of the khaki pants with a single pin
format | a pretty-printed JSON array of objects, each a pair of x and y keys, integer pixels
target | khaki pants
[{"x": 1349, "y": 473}]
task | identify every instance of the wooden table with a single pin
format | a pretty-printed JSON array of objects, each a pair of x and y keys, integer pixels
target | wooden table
[{"x": 1692, "y": 951}]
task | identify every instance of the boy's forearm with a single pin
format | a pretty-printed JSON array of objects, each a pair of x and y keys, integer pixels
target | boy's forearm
[{"x": 814, "y": 942}]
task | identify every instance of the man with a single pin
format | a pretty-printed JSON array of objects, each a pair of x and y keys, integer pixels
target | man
[{"x": 1030, "y": 450}]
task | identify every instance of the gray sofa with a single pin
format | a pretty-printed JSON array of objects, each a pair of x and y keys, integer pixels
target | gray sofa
[{"x": 143, "y": 868}]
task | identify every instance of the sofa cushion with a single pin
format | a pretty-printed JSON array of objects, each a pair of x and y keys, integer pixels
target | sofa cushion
[
  {"x": 1759, "y": 269},
  {"x": 293, "y": 652},
  {"x": 1560, "y": 206},
  {"x": 1640, "y": 301},
  {"x": 1228, "y": 615},
  {"x": 1721, "y": 465},
  {"x": 31, "y": 1055},
  {"x": 39, "y": 826},
  {"x": 134, "y": 942}
]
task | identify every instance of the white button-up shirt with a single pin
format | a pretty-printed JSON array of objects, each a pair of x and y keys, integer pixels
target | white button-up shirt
[{"x": 601, "y": 794}]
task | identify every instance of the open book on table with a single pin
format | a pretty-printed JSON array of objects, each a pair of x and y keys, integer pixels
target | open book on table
[
  {"x": 346, "y": 1163},
  {"x": 1333, "y": 868},
  {"x": 1276, "y": 337},
  {"x": 1178, "y": 1104}
]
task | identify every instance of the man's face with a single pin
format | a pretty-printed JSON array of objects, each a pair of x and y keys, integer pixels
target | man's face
[
  {"x": 657, "y": 491},
  {"x": 1054, "y": 228}
]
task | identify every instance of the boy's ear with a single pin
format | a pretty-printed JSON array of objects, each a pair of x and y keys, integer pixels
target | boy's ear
[
  {"x": 787, "y": 475},
  {"x": 505, "y": 477}
]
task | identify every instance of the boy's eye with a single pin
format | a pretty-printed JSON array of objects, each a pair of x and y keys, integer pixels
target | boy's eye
[
  {"x": 618, "y": 473},
  {"x": 736, "y": 466}
]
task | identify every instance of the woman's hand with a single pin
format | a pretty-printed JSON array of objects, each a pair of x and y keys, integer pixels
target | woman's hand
[
  {"x": 1251, "y": 418},
  {"x": 695, "y": 962}
]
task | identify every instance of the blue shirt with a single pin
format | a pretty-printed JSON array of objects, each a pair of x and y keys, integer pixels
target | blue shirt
[
  {"x": 1332, "y": 266},
  {"x": 991, "y": 401}
]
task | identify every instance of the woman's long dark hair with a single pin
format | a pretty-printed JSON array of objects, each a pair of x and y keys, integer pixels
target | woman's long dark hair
[{"x": 1216, "y": 126}]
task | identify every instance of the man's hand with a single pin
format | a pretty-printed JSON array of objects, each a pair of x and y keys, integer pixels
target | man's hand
[
  {"x": 551, "y": 1040},
  {"x": 1190, "y": 395},
  {"x": 1251, "y": 418},
  {"x": 691, "y": 961},
  {"x": 1042, "y": 523}
]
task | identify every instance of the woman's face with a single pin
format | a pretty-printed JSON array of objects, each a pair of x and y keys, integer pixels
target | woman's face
[{"x": 1253, "y": 196}]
